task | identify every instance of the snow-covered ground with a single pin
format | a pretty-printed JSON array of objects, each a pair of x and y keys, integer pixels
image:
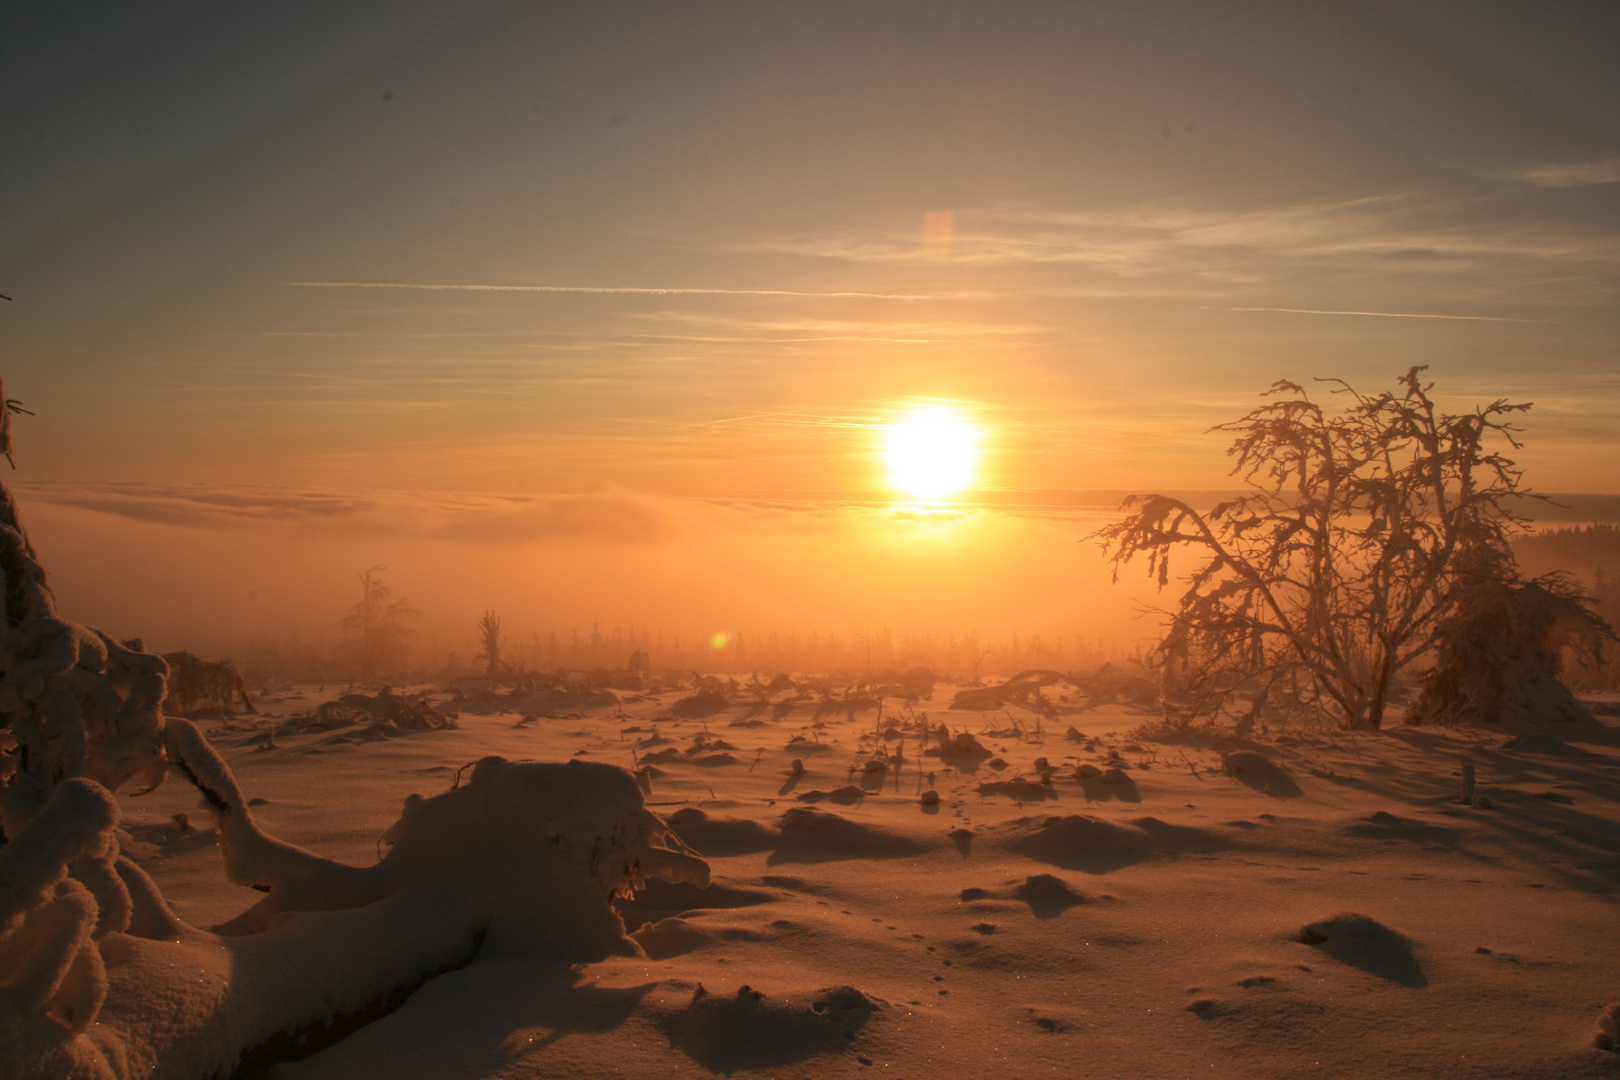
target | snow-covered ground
[{"x": 1310, "y": 905}]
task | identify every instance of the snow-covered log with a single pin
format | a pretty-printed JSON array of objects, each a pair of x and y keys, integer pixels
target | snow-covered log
[{"x": 98, "y": 980}]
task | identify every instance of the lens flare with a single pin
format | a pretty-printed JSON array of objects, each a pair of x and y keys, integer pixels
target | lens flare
[{"x": 931, "y": 452}]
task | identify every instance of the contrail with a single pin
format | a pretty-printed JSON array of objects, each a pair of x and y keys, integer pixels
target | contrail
[
  {"x": 1385, "y": 314},
  {"x": 602, "y": 289}
]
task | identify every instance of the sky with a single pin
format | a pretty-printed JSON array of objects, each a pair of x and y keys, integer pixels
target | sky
[{"x": 565, "y": 273}]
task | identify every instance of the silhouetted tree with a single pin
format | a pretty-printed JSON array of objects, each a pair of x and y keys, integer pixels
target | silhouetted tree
[
  {"x": 1363, "y": 530},
  {"x": 381, "y": 639},
  {"x": 489, "y": 641}
]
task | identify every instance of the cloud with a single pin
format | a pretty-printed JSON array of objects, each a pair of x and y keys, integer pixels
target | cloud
[
  {"x": 1385, "y": 314},
  {"x": 480, "y": 519},
  {"x": 1604, "y": 170},
  {"x": 798, "y": 331},
  {"x": 607, "y": 290},
  {"x": 1470, "y": 247},
  {"x": 507, "y": 519},
  {"x": 201, "y": 507}
]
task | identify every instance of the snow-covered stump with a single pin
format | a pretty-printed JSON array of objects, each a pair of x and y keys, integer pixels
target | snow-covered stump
[
  {"x": 99, "y": 980},
  {"x": 73, "y": 700}
]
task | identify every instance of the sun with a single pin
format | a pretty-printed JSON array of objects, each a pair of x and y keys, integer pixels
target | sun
[{"x": 931, "y": 452}]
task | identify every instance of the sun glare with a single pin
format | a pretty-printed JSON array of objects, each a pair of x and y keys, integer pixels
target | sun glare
[{"x": 931, "y": 452}]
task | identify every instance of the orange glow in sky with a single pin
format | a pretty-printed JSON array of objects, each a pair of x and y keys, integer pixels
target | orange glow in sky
[{"x": 611, "y": 312}]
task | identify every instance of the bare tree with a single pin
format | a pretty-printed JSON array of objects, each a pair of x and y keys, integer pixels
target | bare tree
[
  {"x": 1338, "y": 569},
  {"x": 489, "y": 641},
  {"x": 381, "y": 636}
]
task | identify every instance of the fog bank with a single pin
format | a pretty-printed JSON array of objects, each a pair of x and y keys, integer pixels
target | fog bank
[{"x": 227, "y": 571}]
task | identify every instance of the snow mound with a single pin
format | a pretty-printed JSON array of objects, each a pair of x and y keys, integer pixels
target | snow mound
[
  {"x": 1047, "y": 896},
  {"x": 670, "y": 937},
  {"x": 1082, "y": 843},
  {"x": 658, "y": 899},
  {"x": 809, "y": 836},
  {"x": 1363, "y": 942},
  {"x": 1607, "y": 1035},
  {"x": 705, "y": 702},
  {"x": 1260, "y": 773},
  {"x": 752, "y": 1030},
  {"x": 1382, "y": 825},
  {"x": 720, "y": 836},
  {"x": 1094, "y": 846}
]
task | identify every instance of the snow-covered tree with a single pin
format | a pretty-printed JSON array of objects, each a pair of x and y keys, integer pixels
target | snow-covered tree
[{"x": 1363, "y": 533}]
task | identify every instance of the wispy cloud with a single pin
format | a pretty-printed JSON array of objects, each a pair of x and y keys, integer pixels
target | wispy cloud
[
  {"x": 841, "y": 326},
  {"x": 819, "y": 421},
  {"x": 728, "y": 330},
  {"x": 1476, "y": 249},
  {"x": 1604, "y": 170},
  {"x": 1383, "y": 314},
  {"x": 468, "y": 518},
  {"x": 608, "y": 290},
  {"x": 413, "y": 334}
]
